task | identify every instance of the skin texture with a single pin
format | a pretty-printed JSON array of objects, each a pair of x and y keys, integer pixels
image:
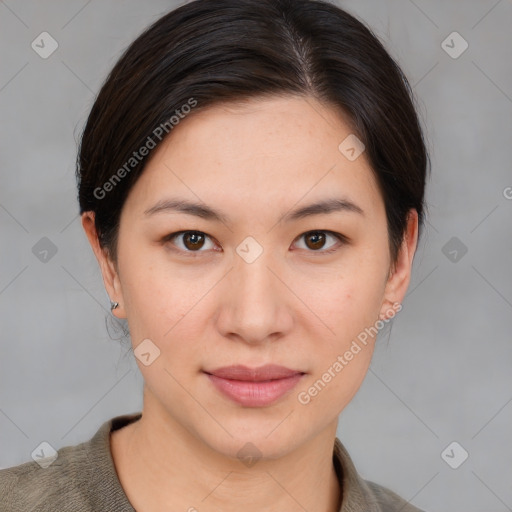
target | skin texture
[{"x": 294, "y": 305}]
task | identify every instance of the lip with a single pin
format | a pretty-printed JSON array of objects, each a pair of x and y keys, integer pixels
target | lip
[{"x": 254, "y": 387}]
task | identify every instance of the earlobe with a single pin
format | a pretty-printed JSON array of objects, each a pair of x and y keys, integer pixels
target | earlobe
[
  {"x": 399, "y": 278},
  {"x": 107, "y": 266}
]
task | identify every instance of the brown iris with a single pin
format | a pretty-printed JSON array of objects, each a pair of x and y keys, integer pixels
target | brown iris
[
  {"x": 196, "y": 240},
  {"x": 317, "y": 239}
]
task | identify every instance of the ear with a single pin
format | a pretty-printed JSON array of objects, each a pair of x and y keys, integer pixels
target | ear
[
  {"x": 400, "y": 273},
  {"x": 107, "y": 266}
]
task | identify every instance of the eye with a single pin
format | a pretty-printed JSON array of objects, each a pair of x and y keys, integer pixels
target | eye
[
  {"x": 196, "y": 241},
  {"x": 315, "y": 240},
  {"x": 191, "y": 241}
]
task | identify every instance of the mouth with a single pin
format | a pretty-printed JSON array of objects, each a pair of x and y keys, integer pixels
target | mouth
[{"x": 254, "y": 387}]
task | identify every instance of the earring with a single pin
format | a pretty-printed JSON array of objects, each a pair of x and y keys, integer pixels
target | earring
[{"x": 113, "y": 305}]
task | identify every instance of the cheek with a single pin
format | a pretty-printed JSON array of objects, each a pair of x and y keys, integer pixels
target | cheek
[
  {"x": 151, "y": 308},
  {"x": 169, "y": 309},
  {"x": 154, "y": 295},
  {"x": 350, "y": 306},
  {"x": 341, "y": 361},
  {"x": 327, "y": 392},
  {"x": 349, "y": 300}
]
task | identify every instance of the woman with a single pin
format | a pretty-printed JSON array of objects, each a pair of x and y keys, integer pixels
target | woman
[{"x": 251, "y": 180}]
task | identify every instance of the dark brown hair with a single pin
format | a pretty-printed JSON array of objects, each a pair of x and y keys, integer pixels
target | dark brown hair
[{"x": 212, "y": 51}]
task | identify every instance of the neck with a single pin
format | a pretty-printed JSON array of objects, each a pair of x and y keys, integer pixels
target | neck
[{"x": 161, "y": 466}]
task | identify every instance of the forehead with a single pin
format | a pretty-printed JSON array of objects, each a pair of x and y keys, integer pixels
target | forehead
[
  {"x": 286, "y": 128},
  {"x": 259, "y": 152}
]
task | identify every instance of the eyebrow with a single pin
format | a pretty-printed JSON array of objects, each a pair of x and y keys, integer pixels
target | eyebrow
[{"x": 206, "y": 212}]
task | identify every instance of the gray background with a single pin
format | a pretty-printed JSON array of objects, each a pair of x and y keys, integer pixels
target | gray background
[{"x": 443, "y": 372}]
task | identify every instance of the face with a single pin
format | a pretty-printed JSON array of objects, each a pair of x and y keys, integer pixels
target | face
[{"x": 223, "y": 260}]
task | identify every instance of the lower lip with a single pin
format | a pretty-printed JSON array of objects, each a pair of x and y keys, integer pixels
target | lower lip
[{"x": 255, "y": 394}]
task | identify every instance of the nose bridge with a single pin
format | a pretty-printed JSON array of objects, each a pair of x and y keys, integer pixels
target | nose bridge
[
  {"x": 255, "y": 307},
  {"x": 253, "y": 277}
]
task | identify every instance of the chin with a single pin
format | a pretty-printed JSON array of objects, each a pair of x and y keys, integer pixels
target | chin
[{"x": 270, "y": 437}]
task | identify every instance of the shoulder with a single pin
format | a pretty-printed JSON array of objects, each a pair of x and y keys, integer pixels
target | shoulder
[
  {"x": 79, "y": 478},
  {"x": 361, "y": 495},
  {"x": 387, "y": 500},
  {"x": 31, "y": 487}
]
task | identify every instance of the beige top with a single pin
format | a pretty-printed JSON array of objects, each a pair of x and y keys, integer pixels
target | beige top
[{"x": 83, "y": 479}]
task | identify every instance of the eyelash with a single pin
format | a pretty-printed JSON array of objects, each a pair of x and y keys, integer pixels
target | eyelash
[{"x": 341, "y": 238}]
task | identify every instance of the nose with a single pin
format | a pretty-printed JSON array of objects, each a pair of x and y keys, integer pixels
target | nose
[{"x": 256, "y": 304}]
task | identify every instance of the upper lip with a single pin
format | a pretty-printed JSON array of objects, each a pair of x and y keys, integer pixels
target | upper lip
[{"x": 261, "y": 373}]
